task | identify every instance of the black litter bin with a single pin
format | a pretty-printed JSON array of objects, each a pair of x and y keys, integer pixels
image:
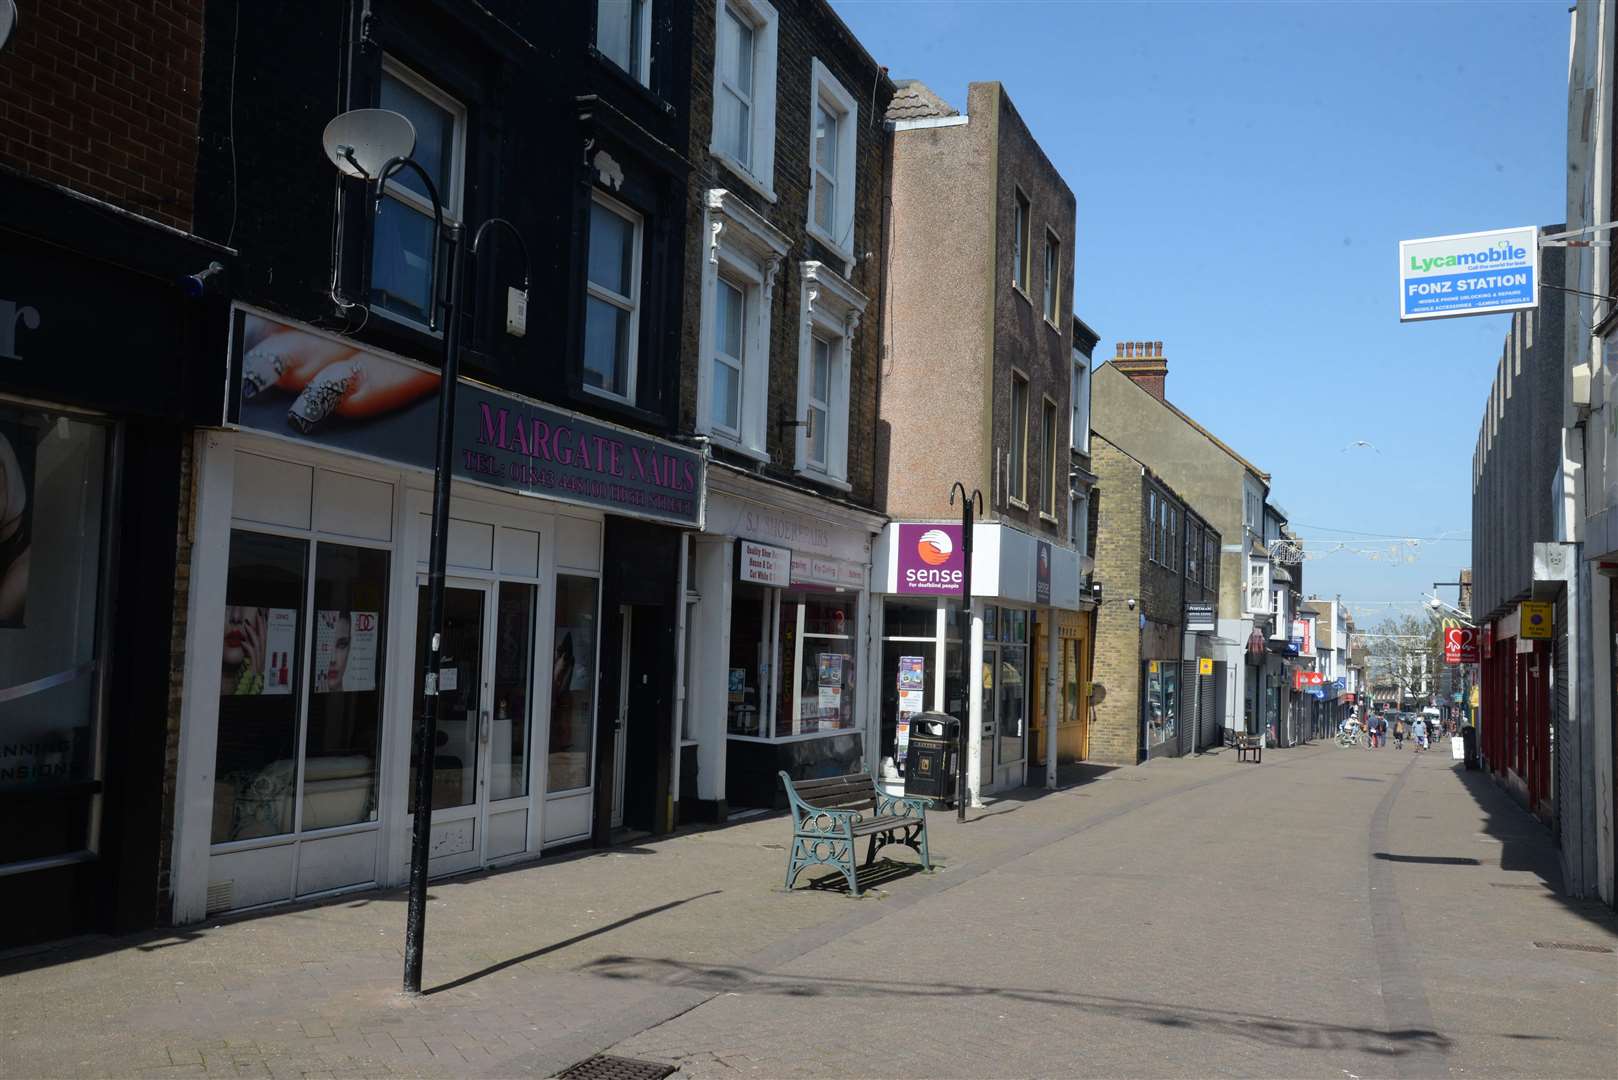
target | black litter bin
[
  {"x": 930, "y": 759},
  {"x": 1469, "y": 745}
]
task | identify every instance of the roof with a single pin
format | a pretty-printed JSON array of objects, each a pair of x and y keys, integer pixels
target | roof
[
  {"x": 1198, "y": 428},
  {"x": 914, "y": 100}
]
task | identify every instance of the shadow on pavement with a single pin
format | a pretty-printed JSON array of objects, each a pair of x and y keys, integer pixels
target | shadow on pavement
[
  {"x": 1428, "y": 860},
  {"x": 574, "y": 940},
  {"x": 1267, "y": 1030},
  {"x": 1527, "y": 846},
  {"x": 883, "y": 871}
]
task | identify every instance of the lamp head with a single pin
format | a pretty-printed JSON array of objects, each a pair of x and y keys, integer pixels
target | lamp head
[
  {"x": 8, "y": 21},
  {"x": 359, "y": 142}
]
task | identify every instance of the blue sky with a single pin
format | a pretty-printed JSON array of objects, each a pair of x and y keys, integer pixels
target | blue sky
[{"x": 1244, "y": 173}]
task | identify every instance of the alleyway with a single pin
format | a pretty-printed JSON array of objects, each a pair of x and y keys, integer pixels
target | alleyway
[{"x": 1331, "y": 912}]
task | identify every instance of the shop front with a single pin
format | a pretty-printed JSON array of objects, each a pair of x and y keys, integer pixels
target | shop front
[
  {"x": 1025, "y": 591},
  {"x": 777, "y": 644},
  {"x": 101, "y": 381},
  {"x": 307, "y": 618}
]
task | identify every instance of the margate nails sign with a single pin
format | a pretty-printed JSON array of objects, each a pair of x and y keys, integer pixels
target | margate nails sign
[
  {"x": 323, "y": 390},
  {"x": 931, "y": 561}
]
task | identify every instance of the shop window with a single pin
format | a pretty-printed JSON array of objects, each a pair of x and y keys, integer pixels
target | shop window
[
  {"x": 402, "y": 254},
  {"x": 345, "y": 693},
  {"x": 817, "y": 654},
  {"x": 53, "y": 473},
  {"x": 255, "y": 762},
  {"x": 573, "y": 684},
  {"x": 750, "y": 650},
  {"x": 1162, "y": 702}
]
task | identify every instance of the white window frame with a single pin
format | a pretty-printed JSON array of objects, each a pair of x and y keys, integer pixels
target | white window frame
[
  {"x": 745, "y": 248},
  {"x": 1022, "y": 238},
  {"x": 396, "y": 191},
  {"x": 1151, "y": 521},
  {"x": 1079, "y": 522},
  {"x": 1258, "y": 583},
  {"x": 832, "y": 308},
  {"x": 643, "y": 55},
  {"x": 1080, "y": 435},
  {"x": 825, "y": 91},
  {"x": 759, "y": 174},
  {"x": 630, "y": 303},
  {"x": 1017, "y": 478}
]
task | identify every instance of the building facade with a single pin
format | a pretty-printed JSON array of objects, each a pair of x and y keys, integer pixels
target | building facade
[
  {"x": 1133, "y": 411},
  {"x": 111, "y": 325},
  {"x": 1156, "y": 667},
  {"x": 977, "y": 377}
]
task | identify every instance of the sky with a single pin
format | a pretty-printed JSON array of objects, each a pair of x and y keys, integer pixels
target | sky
[{"x": 1244, "y": 173}]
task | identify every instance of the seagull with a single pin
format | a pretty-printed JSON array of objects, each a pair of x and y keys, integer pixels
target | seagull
[{"x": 1360, "y": 444}]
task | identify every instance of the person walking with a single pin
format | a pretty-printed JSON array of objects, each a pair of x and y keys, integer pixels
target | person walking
[
  {"x": 1399, "y": 733},
  {"x": 1420, "y": 732}
]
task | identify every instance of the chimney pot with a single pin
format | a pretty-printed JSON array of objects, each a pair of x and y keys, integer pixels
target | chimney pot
[
  {"x": 1159, "y": 345},
  {"x": 1119, "y": 346}
]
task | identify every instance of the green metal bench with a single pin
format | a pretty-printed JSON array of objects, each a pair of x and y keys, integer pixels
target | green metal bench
[{"x": 830, "y": 814}]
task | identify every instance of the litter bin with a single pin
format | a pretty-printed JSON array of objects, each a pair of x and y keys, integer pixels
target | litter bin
[
  {"x": 1469, "y": 746},
  {"x": 930, "y": 758}
]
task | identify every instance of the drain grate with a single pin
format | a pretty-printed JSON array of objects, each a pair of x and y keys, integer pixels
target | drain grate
[
  {"x": 607, "y": 1067},
  {"x": 1573, "y": 946}
]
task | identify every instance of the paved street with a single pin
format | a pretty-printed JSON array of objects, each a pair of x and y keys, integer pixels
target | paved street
[{"x": 1332, "y": 912}]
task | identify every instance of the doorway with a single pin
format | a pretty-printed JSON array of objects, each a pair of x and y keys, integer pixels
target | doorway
[
  {"x": 638, "y": 724},
  {"x": 481, "y": 748}
]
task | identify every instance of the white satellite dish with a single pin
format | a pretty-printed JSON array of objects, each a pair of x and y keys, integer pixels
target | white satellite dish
[
  {"x": 361, "y": 141},
  {"x": 8, "y": 21}
]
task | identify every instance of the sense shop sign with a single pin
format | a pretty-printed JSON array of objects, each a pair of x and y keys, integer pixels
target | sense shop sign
[{"x": 323, "y": 390}]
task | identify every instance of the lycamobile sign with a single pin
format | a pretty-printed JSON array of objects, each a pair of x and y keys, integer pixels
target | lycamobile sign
[{"x": 1469, "y": 274}]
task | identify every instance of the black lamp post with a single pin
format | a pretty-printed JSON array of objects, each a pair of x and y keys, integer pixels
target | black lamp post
[
  {"x": 377, "y": 131},
  {"x": 969, "y": 502}
]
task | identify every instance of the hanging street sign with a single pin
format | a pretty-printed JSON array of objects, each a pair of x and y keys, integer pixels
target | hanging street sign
[{"x": 1481, "y": 273}]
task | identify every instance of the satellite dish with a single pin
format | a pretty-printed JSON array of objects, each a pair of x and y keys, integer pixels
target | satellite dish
[
  {"x": 361, "y": 141},
  {"x": 8, "y": 21}
]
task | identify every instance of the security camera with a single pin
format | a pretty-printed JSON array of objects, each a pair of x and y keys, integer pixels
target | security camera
[
  {"x": 196, "y": 286},
  {"x": 1131, "y": 603}
]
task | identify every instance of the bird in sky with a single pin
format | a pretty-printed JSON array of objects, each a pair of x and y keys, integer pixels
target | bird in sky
[{"x": 1360, "y": 444}]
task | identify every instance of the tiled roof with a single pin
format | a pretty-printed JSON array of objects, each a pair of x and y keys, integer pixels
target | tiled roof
[{"x": 912, "y": 100}]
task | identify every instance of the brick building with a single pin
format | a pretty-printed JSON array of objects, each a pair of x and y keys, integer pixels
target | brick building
[
  {"x": 779, "y": 353},
  {"x": 978, "y": 376},
  {"x": 1157, "y": 558},
  {"x": 107, "y": 358}
]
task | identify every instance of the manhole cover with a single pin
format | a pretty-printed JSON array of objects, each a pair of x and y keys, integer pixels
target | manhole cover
[{"x": 1572, "y": 946}]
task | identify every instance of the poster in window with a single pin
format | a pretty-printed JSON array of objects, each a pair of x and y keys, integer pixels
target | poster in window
[
  {"x": 258, "y": 651},
  {"x": 16, "y": 517},
  {"x": 737, "y": 685},
  {"x": 345, "y": 650},
  {"x": 910, "y": 702},
  {"x": 831, "y": 701},
  {"x": 912, "y": 673},
  {"x": 831, "y": 671}
]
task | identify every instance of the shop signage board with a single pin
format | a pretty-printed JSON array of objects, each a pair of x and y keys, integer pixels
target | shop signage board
[
  {"x": 763, "y": 564},
  {"x": 1205, "y": 665},
  {"x": 932, "y": 561},
  {"x": 1201, "y": 618},
  {"x": 323, "y": 390},
  {"x": 807, "y": 569},
  {"x": 1536, "y": 619},
  {"x": 1042, "y": 573},
  {"x": 1460, "y": 644},
  {"x": 1481, "y": 273}
]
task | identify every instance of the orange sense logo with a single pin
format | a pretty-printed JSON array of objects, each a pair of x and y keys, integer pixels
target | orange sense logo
[{"x": 934, "y": 547}]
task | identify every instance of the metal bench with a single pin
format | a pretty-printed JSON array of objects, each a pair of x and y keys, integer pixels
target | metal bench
[
  {"x": 1250, "y": 746},
  {"x": 830, "y": 814}
]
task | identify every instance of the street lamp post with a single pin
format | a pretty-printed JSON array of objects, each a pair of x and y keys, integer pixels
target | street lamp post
[
  {"x": 350, "y": 139},
  {"x": 969, "y": 503}
]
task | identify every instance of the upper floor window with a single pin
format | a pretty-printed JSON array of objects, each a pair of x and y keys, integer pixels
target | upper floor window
[
  {"x": 1258, "y": 587},
  {"x": 1171, "y": 531},
  {"x": 1151, "y": 526},
  {"x": 624, "y": 36},
  {"x": 1048, "y": 472},
  {"x": 1210, "y": 560},
  {"x": 1020, "y": 242},
  {"x": 612, "y": 306},
  {"x": 1253, "y": 511},
  {"x": 744, "y": 91},
  {"x": 1018, "y": 454},
  {"x": 1080, "y": 433},
  {"x": 402, "y": 245},
  {"x": 1053, "y": 277},
  {"x": 833, "y": 128},
  {"x": 739, "y": 267},
  {"x": 1193, "y": 553},
  {"x": 831, "y": 313},
  {"x": 1078, "y": 529}
]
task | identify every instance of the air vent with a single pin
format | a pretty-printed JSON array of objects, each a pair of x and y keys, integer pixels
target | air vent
[
  {"x": 606, "y": 1067},
  {"x": 221, "y": 896},
  {"x": 1573, "y": 946}
]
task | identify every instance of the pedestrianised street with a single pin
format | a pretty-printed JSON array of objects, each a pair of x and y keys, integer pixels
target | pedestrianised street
[{"x": 1331, "y": 912}]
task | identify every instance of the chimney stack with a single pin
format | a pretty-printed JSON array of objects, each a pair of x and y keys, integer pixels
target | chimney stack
[{"x": 1143, "y": 362}]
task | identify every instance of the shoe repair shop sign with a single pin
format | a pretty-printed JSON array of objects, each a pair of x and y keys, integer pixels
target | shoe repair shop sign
[{"x": 328, "y": 391}]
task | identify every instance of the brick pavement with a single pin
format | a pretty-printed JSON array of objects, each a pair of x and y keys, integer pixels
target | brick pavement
[{"x": 1192, "y": 917}]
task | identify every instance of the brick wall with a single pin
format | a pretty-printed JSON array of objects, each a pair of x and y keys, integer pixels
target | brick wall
[
  {"x": 171, "y": 741},
  {"x": 1119, "y": 550},
  {"x": 808, "y": 30},
  {"x": 101, "y": 96}
]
